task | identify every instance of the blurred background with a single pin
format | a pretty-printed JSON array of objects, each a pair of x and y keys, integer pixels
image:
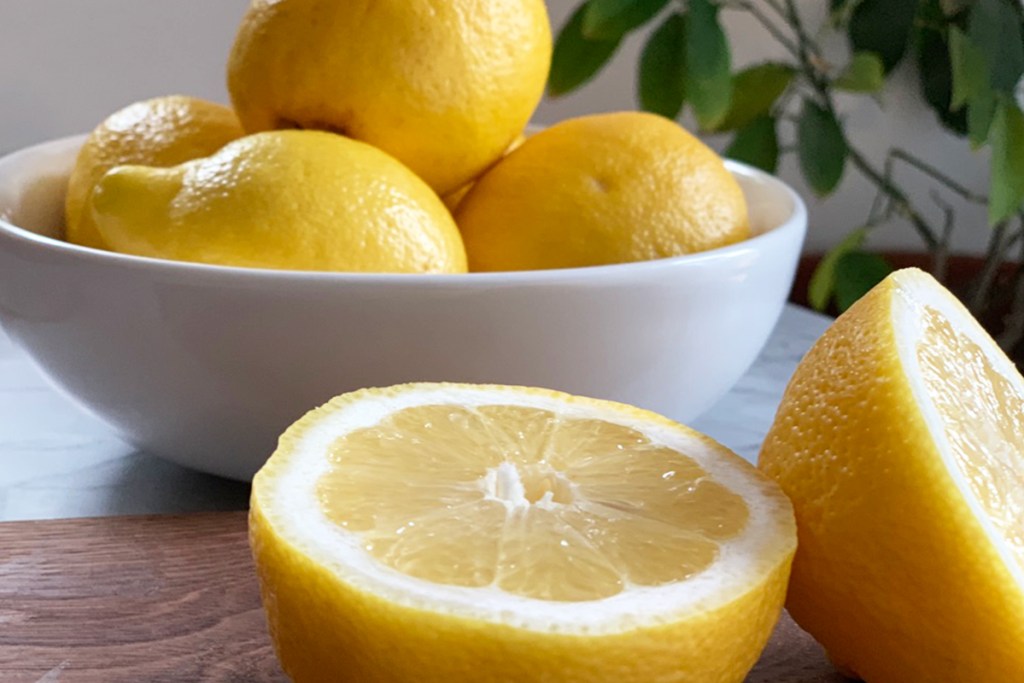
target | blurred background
[{"x": 66, "y": 64}]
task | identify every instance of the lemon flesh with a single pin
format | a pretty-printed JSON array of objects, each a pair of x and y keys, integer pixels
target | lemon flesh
[
  {"x": 982, "y": 415},
  {"x": 899, "y": 441},
  {"x": 475, "y": 533},
  {"x": 575, "y": 509}
]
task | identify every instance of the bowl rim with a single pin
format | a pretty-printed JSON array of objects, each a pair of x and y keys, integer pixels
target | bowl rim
[{"x": 795, "y": 222}]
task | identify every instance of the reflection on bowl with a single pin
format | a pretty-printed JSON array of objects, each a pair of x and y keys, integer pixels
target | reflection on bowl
[{"x": 206, "y": 365}]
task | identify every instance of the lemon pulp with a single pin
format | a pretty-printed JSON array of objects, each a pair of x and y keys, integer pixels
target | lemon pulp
[
  {"x": 455, "y": 533},
  {"x": 898, "y": 443},
  {"x": 526, "y": 501},
  {"x": 983, "y": 422}
]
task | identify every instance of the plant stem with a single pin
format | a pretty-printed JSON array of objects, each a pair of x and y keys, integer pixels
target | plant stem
[
  {"x": 779, "y": 9},
  {"x": 782, "y": 104},
  {"x": 1014, "y": 331},
  {"x": 901, "y": 203},
  {"x": 767, "y": 24},
  {"x": 936, "y": 174},
  {"x": 994, "y": 254},
  {"x": 940, "y": 257},
  {"x": 890, "y": 195},
  {"x": 809, "y": 52}
]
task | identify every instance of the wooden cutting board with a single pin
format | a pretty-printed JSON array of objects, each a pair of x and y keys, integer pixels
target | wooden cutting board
[{"x": 174, "y": 598}]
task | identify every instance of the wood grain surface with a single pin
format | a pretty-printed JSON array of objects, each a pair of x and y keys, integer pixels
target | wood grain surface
[{"x": 174, "y": 598}]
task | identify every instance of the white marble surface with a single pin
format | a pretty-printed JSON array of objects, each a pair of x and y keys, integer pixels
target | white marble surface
[{"x": 56, "y": 461}]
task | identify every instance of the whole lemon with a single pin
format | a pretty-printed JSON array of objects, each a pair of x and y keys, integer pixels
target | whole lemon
[
  {"x": 301, "y": 200},
  {"x": 442, "y": 85},
  {"x": 164, "y": 131},
  {"x": 601, "y": 189},
  {"x": 452, "y": 199}
]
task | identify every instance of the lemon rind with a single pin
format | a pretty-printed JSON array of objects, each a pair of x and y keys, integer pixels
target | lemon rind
[{"x": 283, "y": 490}]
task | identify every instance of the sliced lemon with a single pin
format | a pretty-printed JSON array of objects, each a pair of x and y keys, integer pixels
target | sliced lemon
[
  {"x": 441, "y": 532},
  {"x": 900, "y": 441}
]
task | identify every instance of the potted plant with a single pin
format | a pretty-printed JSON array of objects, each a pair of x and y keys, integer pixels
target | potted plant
[{"x": 969, "y": 57}]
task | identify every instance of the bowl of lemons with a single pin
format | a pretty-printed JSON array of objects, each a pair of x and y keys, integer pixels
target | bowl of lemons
[{"x": 199, "y": 275}]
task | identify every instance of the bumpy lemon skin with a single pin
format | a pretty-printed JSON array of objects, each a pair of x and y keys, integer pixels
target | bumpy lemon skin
[
  {"x": 366, "y": 639},
  {"x": 327, "y": 630},
  {"x": 893, "y": 574},
  {"x": 298, "y": 200},
  {"x": 442, "y": 85},
  {"x": 453, "y": 199},
  {"x": 598, "y": 190},
  {"x": 161, "y": 132}
]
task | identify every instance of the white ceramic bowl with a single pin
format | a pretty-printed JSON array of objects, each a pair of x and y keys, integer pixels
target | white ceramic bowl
[{"x": 206, "y": 365}]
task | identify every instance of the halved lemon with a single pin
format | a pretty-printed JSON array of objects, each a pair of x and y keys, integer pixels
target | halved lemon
[
  {"x": 900, "y": 441},
  {"x": 456, "y": 533}
]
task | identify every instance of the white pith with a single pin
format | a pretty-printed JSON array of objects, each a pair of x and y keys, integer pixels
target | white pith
[
  {"x": 292, "y": 507},
  {"x": 915, "y": 292}
]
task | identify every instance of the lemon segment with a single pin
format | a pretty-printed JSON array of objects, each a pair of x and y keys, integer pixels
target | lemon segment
[
  {"x": 983, "y": 427},
  {"x": 483, "y": 533}
]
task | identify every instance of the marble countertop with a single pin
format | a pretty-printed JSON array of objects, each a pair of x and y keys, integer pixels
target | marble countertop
[{"x": 56, "y": 461}]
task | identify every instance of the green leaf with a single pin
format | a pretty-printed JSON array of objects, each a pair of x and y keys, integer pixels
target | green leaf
[
  {"x": 823, "y": 281},
  {"x": 971, "y": 86},
  {"x": 1007, "y": 140},
  {"x": 754, "y": 91},
  {"x": 756, "y": 144},
  {"x": 857, "y": 272},
  {"x": 864, "y": 73},
  {"x": 613, "y": 19},
  {"x": 980, "y": 111},
  {"x": 576, "y": 59},
  {"x": 662, "y": 78},
  {"x": 822, "y": 148},
  {"x": 995, "y": 31},
  {"x": 840, "y": 12},
  {"x": 936, "y": 78},
  {"x": 953, "y": 8},
  {"x": 883, "y": 27},
  {"x": 967, "y": 66},
  {"x": 708, "y": 64}
]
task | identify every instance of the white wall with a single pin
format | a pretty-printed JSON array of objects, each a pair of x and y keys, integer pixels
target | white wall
[{"x": 66, "y": 64}]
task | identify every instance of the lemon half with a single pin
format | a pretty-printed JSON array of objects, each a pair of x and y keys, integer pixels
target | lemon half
[
  {"x": 900, "y": 441},
  {"x": 441, "y": 532}
]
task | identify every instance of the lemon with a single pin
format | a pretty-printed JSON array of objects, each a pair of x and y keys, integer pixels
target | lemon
[
  {"x": 453, "y": 199},
  {"x": 899, "y": 441},
  {"x": 601, "y": 189},
  {"x": 442, "y": 86},
  {"x": 459, "y": 533},
  {"x": 165, "y": 131},
  {"x": 302, "y": 200}
]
